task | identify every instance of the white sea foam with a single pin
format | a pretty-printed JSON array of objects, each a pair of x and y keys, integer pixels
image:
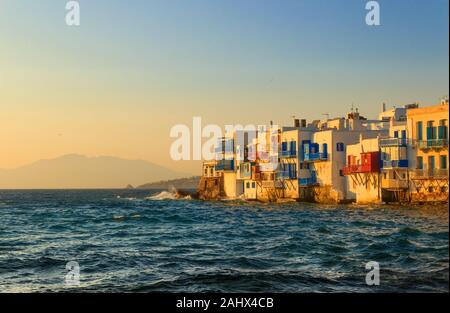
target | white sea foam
[
  {"x": 163, "y": 195},
  {"x": 172, "y": 194}
]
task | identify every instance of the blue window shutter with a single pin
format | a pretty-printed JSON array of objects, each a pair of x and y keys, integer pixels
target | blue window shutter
[
  {"x": 403, "y": 133},
  {"x": 396, "y": 134}
]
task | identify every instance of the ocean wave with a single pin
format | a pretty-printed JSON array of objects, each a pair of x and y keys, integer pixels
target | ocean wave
[
  {"x": 169, "y": 195},
  {"x": 140, "y": 244}
]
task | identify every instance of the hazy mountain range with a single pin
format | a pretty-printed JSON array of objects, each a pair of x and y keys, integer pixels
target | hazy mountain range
[{"x": 78, "y": 171}]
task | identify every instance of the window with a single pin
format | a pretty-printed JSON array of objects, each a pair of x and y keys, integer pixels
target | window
[
  {"x": 404, "y": 134},
  {"x": 431, "y": 130},
  {"x": 396, "y": 134},
  {"x": 325, "y": 149},
  {"x": 293, "y": 146},
  {"x": 431, "y": 163},
  {"x": 443, "y": 162},
  {"x": 420, "y": 163},
  {"x": 442, "y": 129},
  {"x": 419, "y": 127},
  {"x": 248, "y": 185},
  {"x": 304, "y": 166},
  {"x": 340, "y": 146},
  {"x": 253, "y": 185}
]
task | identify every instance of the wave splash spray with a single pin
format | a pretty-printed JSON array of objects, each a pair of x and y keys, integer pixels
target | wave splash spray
[{"x": 172, "y": 194}]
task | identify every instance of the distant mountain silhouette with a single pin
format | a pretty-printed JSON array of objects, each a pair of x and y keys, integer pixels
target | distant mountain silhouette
[{"x": 78, "y": 171}]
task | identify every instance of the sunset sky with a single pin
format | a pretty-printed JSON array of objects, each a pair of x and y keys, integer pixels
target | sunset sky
[{"x": 116, "y": 84}]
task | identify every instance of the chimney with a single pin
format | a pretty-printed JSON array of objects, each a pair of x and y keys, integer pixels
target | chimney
[
  {"x": 383, "y": 107},
  {"x": 303, "y": 123},
  {"x": 296, "y": 122}
]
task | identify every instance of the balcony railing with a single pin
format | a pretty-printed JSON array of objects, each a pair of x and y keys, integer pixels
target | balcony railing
[
  {"x": 311, "y": 181},
  {"x": 225, "y": 165},
  {"x": 353, "y": 169},
  {"x": 430, "y": 174},
  {"x": 432, "y": 143},
  {"x": 393, "y": 142},
  {"x": 288, "y": 174},
  {"x": 394, "y": 184},
  {"x": 271, "y": 184},
  {"x": 395, "y": 164},
  {"x": 315, "y": 157},
  {"x": 288, "y": 154}
]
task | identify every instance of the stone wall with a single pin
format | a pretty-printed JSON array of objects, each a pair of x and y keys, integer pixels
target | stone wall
[{"x": 210, "y": 188}]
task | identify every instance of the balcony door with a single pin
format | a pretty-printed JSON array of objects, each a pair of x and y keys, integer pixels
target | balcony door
[{"x": 431, "y": 164}]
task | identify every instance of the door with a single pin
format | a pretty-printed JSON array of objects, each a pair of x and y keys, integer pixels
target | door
[{"x": 431, "y": 165}]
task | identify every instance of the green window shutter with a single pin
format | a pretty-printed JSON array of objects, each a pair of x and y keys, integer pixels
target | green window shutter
[
  {"x": 429, "y": 133},
  {"x": 443, "y": 162},
  {"x": 419, "y": 131}
]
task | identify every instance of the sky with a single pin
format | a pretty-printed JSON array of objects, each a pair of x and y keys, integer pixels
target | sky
[{"x": 116, "y": 84}]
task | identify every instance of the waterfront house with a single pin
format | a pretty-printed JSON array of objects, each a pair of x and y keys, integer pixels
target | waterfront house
[
  {"x": 395, "y": 151},
  {"x": 363, "y": 171},
  {"x": 401, "y": 156},
  {"x": 428, "y": 130}
]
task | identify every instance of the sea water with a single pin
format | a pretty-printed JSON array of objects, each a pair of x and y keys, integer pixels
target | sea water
[{"x": 149, "y": 241}]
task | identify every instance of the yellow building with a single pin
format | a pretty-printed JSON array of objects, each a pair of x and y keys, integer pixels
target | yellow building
[{"x": 428, "y": 131}]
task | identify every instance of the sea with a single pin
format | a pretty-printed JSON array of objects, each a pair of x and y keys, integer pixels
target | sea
[{"x": 150, "y": 241}]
